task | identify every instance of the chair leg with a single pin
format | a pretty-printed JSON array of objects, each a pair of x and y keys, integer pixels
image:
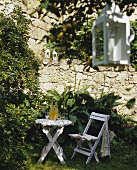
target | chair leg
[
  {"x": 95, "y": 153},
  {"x": 78, "y": 146},
  {"x": 89, "y": 158},
  {"x": 96, "y": 157},
  {"x": 74, "y": 153}
]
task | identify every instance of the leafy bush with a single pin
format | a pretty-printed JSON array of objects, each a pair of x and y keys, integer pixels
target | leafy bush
[
  {"x": 17, "y": 73},
  {"x": 76, "y": 45},
  {"x": 19, "y": 95}
]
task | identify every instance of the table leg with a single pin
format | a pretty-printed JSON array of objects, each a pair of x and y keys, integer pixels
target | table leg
[
  {"x": 57, "y": 146},
  {"x": 52, "y": 143}
]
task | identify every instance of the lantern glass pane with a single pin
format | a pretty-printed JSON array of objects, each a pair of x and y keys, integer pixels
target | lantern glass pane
[
  {"x": 111, "y": 40},
  {"x": 99, "y": 42},
  {"x": 117, "y": 42}
]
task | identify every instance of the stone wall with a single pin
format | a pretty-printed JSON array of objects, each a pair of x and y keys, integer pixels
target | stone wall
[{"x": 57, "y": 75}]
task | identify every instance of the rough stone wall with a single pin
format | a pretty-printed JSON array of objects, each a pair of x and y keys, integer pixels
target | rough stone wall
[{"x": 57, "y": 75}]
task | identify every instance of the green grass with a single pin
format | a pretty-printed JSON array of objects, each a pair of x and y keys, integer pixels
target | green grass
[{"x": 123, "y": 157}]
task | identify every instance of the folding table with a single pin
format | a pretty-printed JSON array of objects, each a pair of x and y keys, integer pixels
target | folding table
[{"x": 46, "y": 128}]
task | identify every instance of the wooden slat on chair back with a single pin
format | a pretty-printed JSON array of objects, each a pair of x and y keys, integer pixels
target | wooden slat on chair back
[{"x": 98, "y": 116}]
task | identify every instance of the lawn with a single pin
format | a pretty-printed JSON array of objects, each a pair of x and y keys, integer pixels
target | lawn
[{"x": 123, "y": 157}]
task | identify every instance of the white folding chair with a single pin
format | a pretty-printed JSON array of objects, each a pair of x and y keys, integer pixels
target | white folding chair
[{"x": 92, "y": 141}]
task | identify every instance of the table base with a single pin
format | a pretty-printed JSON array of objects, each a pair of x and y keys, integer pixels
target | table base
[{"x": 52, "y": 143}]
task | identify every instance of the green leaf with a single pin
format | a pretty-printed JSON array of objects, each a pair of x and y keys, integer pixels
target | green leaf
[
  {"x": 80, "y": 126},
  {"x": 130, "y": 103},
  {"x": 74, "y": 109},
  {"x": 70, "y": 102},
  {"x": 73, "y": 118}
]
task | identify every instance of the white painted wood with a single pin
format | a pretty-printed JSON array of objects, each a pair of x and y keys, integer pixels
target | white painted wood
[
  {"x": 82, "y": 151},
  {"x": 84, "y": 137},
  {"x": 58, "y": 122},
  {"x": 92, "y": 141},
  {"x": 53, "y": 143},
  {"x": 114, "y": 29}
]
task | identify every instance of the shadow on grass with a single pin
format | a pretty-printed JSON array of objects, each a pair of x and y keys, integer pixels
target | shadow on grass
[{"x": 123, "y": 157}]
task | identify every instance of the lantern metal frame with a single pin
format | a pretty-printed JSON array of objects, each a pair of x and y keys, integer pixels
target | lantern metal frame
[
  {"x": 54, "y": 56},
  {"x": 47, "y": 53},
  {"x": 111, "y": 38}
]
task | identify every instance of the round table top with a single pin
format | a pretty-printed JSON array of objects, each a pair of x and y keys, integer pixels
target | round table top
[{"x": 58, "y": 122}]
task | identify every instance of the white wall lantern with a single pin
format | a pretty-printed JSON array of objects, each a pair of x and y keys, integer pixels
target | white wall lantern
[
  {"x": 47, "y": 53},
  {"x": 54, "y": 56},
  {"x": 111, "y": 38}
]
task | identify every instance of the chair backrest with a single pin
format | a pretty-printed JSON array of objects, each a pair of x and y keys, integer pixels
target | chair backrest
[{"x": 98, "y": 117}]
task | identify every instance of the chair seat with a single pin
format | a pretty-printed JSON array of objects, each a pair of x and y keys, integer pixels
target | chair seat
[{"x": 84, "y": 136}]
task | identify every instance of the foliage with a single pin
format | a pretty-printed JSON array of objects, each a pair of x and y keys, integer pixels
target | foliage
[
  {"x": 19, "y": 95},
  {"x": 124, "y": 127},
  {"x": 14, "y": 125},
  {"x": 72, "y": 45},
  {"x": 72, "y": 36},
  {"x": 134, "y": 45},
  {"x": 17, "y": 73},
  {"x": 78, "y": 11}
]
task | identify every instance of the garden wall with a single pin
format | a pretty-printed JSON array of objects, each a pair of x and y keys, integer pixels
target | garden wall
[
  {"x": 57, "y": 75},
  {"x": 61, "y": 74}
]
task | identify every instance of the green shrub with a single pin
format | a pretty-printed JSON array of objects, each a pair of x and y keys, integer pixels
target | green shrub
[
  {"x": 19, "y": 95},
  {"x": 19, "y": 68}
]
